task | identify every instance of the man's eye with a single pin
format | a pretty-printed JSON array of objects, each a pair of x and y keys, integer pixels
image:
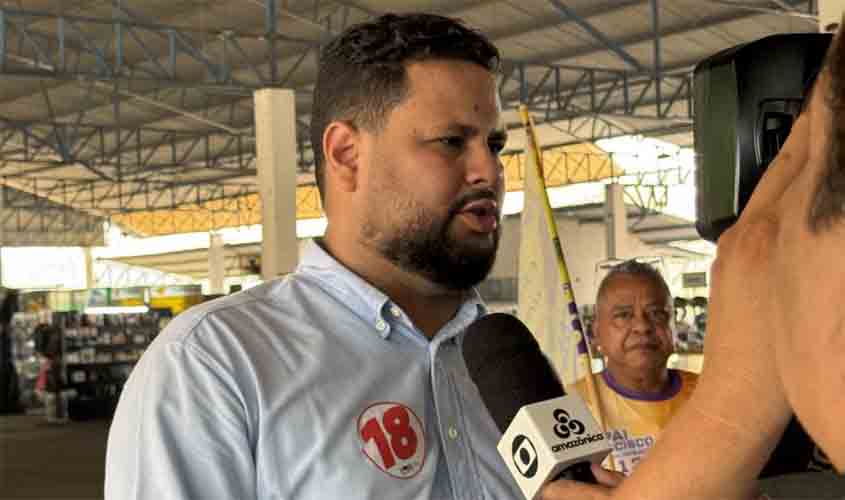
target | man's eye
[
  {"x": 454, "y": 142},
  {"x": 496, "y": 145},
  {"x": 659, "y": 316}
]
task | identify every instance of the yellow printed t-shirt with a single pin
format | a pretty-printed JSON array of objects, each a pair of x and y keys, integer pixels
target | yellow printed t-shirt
[{"x": 634, "y": 420}]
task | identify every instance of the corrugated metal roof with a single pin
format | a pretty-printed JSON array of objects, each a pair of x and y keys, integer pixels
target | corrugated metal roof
[{"x": 91, "y": 90}]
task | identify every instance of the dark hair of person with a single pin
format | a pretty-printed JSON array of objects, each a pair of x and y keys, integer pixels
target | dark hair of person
[
  {"x": 829, "y": 201},
  {"x": 362, "y": 73}
]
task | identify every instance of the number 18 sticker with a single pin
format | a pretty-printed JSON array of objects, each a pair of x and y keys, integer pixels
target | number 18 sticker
[{"x": 393, "y": 439}]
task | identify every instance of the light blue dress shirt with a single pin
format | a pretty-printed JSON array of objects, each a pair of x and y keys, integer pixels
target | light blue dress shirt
[{"x": 314, "y": 386}]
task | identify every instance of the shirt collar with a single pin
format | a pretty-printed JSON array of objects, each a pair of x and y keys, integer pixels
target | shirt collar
[
  {"x": 472, "y": 309},
  {"x": 368, "y": 301},
  {"x": 349, "y": 288},
  {"x": 673, "y": 387}
]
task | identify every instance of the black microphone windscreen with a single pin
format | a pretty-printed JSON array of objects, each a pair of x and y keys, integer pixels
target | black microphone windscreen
[{"x": 508, "y": 367}]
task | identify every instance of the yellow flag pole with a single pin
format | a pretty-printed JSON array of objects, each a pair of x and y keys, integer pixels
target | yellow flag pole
[{"x": 566, "y": 283}]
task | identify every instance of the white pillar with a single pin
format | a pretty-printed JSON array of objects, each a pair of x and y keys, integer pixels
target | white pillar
[
  {"x": 830, "y": 12},
  {"x": 616, "y": 220},
  {"x": 275, "y": 145},
  {"x": 90, "y": 277},
  {"x": 216, "y": 263}
]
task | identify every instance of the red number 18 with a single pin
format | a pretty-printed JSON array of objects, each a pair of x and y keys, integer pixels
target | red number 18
[{"x": 403, "y": 438}]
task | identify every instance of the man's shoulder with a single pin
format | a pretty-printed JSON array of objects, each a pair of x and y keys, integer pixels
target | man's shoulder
[
  {"x": 269, "y": 303},
  {"x": 187, "y": 320}
]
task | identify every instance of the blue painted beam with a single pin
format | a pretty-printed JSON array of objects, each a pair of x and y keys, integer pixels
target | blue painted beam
[{"x": 598, "y": 35}]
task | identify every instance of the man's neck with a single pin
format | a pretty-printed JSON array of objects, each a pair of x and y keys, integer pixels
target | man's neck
[
  {"x": 651, "y": 381},
  {"x": 429, "y": 306}
]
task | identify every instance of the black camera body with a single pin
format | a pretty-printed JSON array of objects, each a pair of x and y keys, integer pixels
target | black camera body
[{"x": 745, "y": 100}]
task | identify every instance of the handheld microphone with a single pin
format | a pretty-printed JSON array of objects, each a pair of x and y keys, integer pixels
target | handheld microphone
[{"x": 546, "y": 434}]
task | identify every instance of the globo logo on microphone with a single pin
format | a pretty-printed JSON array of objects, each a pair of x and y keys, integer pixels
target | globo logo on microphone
[{"x": 524, "y": 456}]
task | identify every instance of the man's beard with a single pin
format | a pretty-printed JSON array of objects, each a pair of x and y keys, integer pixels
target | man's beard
[{"x": 426, "y": 247}]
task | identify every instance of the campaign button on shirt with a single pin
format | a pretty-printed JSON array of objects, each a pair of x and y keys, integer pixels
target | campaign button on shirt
[{"x": 393, "y": 439}]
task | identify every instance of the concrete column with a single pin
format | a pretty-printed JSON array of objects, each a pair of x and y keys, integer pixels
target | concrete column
[
  {"x": 216, "y": 263},
  {"x": 830, "y": 13},
  {"x": 90, "y": 276},
  {"x": 275, "y": 144},
  {"x": 616, "y": 220}
]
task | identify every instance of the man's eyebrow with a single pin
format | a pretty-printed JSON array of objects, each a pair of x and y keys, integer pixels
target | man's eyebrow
[
  {"x": 468, "y": 130},
  {"x": 456, "y": 128}
]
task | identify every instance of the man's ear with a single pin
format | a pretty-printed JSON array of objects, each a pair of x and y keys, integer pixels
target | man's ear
[{"x": 341, "y": 144}]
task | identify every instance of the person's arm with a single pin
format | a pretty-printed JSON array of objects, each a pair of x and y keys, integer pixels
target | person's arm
[
  {"x": 808, "y": 270},
  {"x": 713, "y": 448},
  {"x": 180, "y": 431},
  {"x": 607, "y": 480},
  {"x": 720, "y": 440}
]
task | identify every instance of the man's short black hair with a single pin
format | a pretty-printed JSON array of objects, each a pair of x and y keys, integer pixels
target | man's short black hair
[{"x": 361, "y": 75}]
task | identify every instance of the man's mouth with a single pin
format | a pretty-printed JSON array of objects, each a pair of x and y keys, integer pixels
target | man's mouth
[
  {"x": 481, "y": 215},
  {"x": 650, "y": 346}
]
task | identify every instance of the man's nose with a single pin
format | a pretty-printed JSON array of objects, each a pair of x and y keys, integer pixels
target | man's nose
[
  {"x": 642, "y": 322},
  {"x": 485, "y": 168}
]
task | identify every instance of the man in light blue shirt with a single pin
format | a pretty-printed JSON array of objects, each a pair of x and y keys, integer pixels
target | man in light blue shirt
[{"x": 345, "y": 379}]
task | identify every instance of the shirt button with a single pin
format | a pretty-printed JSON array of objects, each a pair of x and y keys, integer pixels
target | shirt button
[
  {"x": 395, "y": 311},
  {"x": 381, "y": 325},
  {"x": 453, "y": 433}
]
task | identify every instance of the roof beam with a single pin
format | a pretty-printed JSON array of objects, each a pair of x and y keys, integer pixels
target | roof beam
[
  {"x": 115, "y": 89},
  {"x": 534, "y": 25},
  {"x": 598, "y": 35},
  {"x": 786, "y": 9},
  {"x": 103, "y": 199},
  {"x": 71, "y": 50},
  {"x": 271, "y": 6},
  {"x": 680, "y": 29},
  {"x": 658, "y": 65}
]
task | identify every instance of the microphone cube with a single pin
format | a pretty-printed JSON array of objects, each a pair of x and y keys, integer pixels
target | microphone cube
[{"x": 548, "y": 437}]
